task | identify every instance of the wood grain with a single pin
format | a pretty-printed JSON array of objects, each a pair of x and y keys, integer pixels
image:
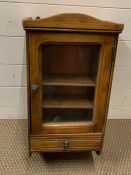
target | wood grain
[
  {"x": 72, "y": 21},
  {"x": 58, "y": 145},
  {"x": 16, "y": 50},
  {"x": 11, "y": 22},
  {"x": 107, "y": 4},
  {"x": 40, "y": 101},
  {"x": 14, "y": 75},
  {"x": 16, "y": 53}
]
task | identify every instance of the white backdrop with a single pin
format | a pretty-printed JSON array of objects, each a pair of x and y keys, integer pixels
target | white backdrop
[{"x": 13, "y": 100}]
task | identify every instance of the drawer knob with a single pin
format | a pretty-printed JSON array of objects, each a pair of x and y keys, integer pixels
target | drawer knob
[
  {"x": 34, "y": 88},
  {"x": 66, "y": 144}
]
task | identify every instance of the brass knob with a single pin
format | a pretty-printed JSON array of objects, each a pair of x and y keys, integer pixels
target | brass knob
[
  {"x": 34, "y": 88},
  {"x": 66, "y": 144}
]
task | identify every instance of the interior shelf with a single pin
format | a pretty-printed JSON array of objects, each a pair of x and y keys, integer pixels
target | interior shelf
[
  {"x": 68, "y": 80},
  {"x": 67, "y": 102}
]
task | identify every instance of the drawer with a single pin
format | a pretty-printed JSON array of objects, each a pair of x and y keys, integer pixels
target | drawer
[{"x": 64, "y": 145}]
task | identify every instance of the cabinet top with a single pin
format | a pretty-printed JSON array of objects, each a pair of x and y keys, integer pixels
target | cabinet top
[{"x": 71, "y": 21}]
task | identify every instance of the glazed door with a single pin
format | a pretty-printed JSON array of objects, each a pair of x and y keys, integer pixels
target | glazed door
[{"x": 69, "y": 80}]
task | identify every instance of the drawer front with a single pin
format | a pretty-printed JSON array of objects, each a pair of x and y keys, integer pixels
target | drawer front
[{"x": 64, "y": 145}]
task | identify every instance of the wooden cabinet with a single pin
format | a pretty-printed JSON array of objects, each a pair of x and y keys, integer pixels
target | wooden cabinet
[{"x": 70, "y": 61}]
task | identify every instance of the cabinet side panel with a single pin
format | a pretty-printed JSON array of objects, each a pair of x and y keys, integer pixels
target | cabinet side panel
[
  {"x": 114, "y": 49},
  {"x": 28, "y": 87},
  {"x": 104, "y": 82}
]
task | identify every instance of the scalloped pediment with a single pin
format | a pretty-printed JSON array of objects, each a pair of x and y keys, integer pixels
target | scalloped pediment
[{"x": 72, "y": 21}]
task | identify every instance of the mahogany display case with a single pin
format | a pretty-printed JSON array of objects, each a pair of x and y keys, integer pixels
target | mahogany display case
[{"x": 70, "y": 62}]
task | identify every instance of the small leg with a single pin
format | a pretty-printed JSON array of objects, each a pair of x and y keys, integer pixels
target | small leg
[
  {"x": 98, "y": 152},
  {"x": 30, "y": 153}
]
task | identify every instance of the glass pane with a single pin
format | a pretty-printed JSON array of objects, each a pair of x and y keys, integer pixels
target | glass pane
[
  {"x": 68, "y": 97},
  {"x": 68, "y": 82},
  {"x": 68, "y": 115},
  {"x": 70, "y": 61}
]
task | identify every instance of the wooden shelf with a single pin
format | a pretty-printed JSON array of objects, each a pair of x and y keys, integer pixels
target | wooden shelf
[
  {"x": 68, "y": 80},
  {"x": 66, "y": 102}
]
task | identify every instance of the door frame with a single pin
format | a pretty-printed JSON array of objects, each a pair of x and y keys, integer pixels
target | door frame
[{"x": 36, "y": 39}]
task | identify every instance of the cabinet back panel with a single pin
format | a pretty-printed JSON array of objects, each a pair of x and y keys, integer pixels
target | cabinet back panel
[{"x": 71, "y": 59}]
